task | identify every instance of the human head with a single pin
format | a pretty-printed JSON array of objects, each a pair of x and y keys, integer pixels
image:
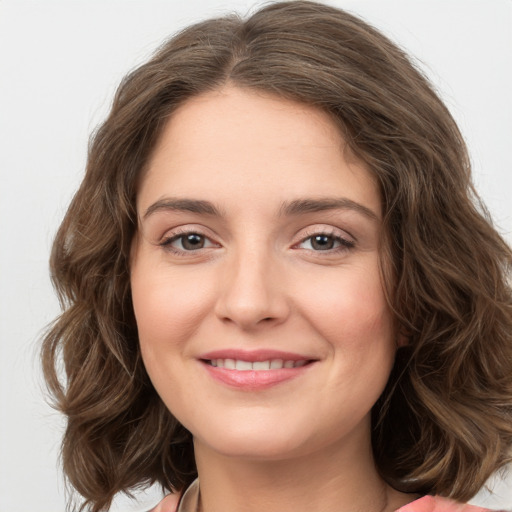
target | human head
[{"x": 443, "y": 264}]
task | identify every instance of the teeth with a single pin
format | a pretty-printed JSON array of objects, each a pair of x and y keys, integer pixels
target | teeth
[
  {"x": 261, "y": 365},
  {"x": 239, "y": 364},
  {"x": 276, "y": 364},
  {"x": 243, "y": 365}
]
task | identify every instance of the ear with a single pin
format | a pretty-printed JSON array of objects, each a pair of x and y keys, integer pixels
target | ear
[{"x": 402, "y": 338}]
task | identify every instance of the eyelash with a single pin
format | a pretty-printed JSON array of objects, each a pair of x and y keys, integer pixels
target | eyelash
[
  {"x": 344, "y": 243},
  {"x": 166, "y": 243}
]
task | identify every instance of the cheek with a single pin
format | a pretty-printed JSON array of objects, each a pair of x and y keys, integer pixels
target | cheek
[
  {"x": 168, "y": 309},
  {"x": 170, "y": 306},
  {"x": 349, "y": 305},
  {"x": 167, "y": 304}
]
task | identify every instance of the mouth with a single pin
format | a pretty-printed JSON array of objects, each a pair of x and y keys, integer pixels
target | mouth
[
  {"x": 269, "y": 364},
  {"x": 256, "y": 370}
]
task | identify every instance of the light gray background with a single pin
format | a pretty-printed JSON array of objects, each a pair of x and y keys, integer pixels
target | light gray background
[{"x": 60, "y": 62}]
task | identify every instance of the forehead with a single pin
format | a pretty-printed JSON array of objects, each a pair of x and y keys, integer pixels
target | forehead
[{"x": 251, "y": 144}]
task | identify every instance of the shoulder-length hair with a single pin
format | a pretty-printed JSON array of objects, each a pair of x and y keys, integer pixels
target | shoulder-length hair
[{"x": 444, "y": 422}]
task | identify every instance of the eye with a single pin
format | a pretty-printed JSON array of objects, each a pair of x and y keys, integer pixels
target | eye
[
  {"x": 186, "y": 242},
  {"x": 325, "y": 242}
]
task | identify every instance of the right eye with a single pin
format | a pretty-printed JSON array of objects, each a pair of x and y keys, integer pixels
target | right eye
[{"x": 186, "y": 242}]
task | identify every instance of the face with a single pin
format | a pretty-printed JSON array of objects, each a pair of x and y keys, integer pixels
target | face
[{"x": 260, "y": 308}]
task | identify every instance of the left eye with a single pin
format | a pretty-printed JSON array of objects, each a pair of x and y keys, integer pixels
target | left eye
[
  {"x": 323, "y": 242},
  {"x": 188, "y": 242}
]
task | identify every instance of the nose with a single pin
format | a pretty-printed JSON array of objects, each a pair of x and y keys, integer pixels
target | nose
[{"x": 252, "y": 292}]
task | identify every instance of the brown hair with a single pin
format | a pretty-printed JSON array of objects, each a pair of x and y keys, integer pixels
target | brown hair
[{"x": 444, "y": 422}]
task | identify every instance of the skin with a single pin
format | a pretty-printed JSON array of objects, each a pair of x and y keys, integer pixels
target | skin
[{"x": 259, "y": 280}]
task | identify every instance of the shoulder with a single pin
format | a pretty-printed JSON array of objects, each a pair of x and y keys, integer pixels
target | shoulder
[
  {"x": 168, "y": 504},
  {"x": 425, "y": 504},
  {"x": 438, "y": 504},
  {"x": 187, "y": 502}
]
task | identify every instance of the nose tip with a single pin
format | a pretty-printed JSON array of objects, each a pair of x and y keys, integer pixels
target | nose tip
[
  {"x": 248, "y": 316},
  {"x": 248, "y": 309}
]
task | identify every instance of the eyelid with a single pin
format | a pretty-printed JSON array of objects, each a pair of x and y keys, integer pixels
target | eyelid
[
  {"x": 185, "y": 229},
  {"x": 343, "y": 241},
  {"x": 170, "y": 235},
  {"x": 169, "y": 240},
  {"x": 324, "y": 229}
]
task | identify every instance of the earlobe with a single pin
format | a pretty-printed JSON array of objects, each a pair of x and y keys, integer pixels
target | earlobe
[{"x": 402, "y": 339}]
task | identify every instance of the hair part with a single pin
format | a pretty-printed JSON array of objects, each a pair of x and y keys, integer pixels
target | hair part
[{"x": 444, "y": 422}]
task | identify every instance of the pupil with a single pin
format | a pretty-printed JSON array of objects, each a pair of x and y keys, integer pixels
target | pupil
[
  {"x": 322, "y": 242},
  {"x": 193, "y": 241}
]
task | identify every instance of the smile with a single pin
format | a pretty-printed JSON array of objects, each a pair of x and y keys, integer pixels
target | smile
[
  {"x": 255, "y": 370},
  {"x": 270, "y": 364}
]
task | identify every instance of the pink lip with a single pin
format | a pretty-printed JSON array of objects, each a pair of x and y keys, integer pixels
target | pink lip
[
  {"x": 255, "y": 355},
  {"x": 252, "y": 380}
]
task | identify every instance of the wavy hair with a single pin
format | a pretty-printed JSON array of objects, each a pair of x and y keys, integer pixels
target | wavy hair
[{"x": 444, "y": 422}]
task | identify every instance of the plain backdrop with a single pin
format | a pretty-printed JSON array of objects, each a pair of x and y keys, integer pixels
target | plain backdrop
[{"x": 60, "y": 62}]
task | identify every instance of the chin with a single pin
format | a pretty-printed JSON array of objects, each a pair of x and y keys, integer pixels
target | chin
[
  {"x": 256, "y": 442},
  {"x": 256, "y": 450}
]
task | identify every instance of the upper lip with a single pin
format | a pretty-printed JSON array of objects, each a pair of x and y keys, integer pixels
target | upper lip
[{"x": 254, "y": 355}]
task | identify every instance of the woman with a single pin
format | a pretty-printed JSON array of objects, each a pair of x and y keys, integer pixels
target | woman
[{"x": 277, "y": 276}]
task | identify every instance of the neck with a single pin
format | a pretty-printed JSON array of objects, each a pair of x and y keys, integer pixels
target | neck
[{"x": 340, "y": 478}]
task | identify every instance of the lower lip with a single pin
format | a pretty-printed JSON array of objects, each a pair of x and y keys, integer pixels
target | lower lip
[{"x": 252, "y": 380}]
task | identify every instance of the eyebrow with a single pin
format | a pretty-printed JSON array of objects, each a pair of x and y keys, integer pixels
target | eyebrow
[
  {"x": 292, "y": 208},
  {"x": 300, "y": 206},
  {"x": 183, "y": 205}
]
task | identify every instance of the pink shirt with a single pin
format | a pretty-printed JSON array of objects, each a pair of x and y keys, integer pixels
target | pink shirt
[
  {"x": 190, "y": 499},
  {"x": 438, "y": 504}
]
